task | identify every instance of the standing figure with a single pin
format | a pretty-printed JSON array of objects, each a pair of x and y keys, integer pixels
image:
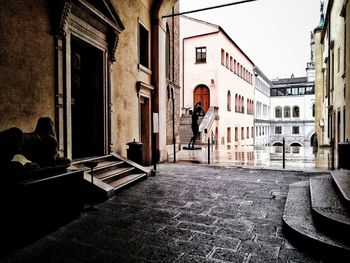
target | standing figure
[{"x": 195, "y": 127}]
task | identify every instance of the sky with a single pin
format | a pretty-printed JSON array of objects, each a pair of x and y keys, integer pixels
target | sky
[{"x": 275, "y": 34}]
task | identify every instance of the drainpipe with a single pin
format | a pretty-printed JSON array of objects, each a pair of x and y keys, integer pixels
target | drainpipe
[{"x": 174, "y": 139}]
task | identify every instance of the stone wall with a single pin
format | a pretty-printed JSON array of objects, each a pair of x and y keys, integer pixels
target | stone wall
[{"x": 26, "y": 63}]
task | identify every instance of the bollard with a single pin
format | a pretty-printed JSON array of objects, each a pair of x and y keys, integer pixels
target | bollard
[
  {"x": 332, "y": 153},
  {"x": 208, "y": 150},
  {"x": 284, "y": 154}
]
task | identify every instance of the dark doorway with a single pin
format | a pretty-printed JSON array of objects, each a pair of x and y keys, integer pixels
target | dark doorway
[
  {"x": 87, "y": 91},
  {"x": 145, "y": 130}
]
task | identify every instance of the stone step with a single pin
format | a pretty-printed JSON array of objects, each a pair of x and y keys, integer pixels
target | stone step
[
  {"x": 127, "y": 181},
  {"x": 298, "y": 217},
  {"x": 328, "y": 203},
  {"x": 342, "y": 179},
  {"x": 115, "y": 174}
]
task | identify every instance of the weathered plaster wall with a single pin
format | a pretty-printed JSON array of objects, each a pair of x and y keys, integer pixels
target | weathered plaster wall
[
  {"x": 125, "y": 74},
  {"x": 26, "y": 63}
]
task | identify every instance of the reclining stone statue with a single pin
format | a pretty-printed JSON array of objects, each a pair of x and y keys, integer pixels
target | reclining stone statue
[
  {"x": 22, "y": 153},
  {"x": 41, "y": 147},
  {"x": 12, "y": 164}
]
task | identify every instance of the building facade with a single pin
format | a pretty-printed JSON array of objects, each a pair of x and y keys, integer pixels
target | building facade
[
  {"x": 97, "y": 68},
  {"x": 262, "y": 108},
  {"x": 333, "y": 73},
  {"x": 217, "y": 72},
  {"x": 292, "y": 112}
]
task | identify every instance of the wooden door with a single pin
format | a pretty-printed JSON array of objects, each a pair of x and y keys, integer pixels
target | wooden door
[{"x": 202, "y": 93}]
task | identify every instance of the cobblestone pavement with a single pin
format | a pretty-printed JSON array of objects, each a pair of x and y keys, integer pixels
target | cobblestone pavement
[{"x": 187, "y": 213}]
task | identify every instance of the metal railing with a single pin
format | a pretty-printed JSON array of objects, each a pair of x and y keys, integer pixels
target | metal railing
[{"x": 207, "y": 122}]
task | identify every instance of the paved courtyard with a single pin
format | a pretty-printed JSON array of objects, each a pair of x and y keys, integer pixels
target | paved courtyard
[{"x": 187, "y": 213}]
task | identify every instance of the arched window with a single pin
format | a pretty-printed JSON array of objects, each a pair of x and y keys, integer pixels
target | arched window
[
  {"x": 242, "y": 104},
  {"x": 228, "y": 100},
  {"x": 167, "y": 52},
  {"x": 239, "y": 104},
  {"x": 248, "y": 106},
  {"x": 236, "y": 103},
  {"x": 278, "y": 112},
  {"x": 286, "y": 112},
  {"x": 296, "y": 112}
]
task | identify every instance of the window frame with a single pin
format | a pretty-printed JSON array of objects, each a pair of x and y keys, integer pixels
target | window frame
[{"x": 201, "y": 59}]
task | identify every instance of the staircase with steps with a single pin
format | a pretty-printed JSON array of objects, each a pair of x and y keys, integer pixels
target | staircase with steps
[
  {"x": 186, "y": 130},
  {"x": 318, "y": 211},
  {"x": 112, "y": 173}
]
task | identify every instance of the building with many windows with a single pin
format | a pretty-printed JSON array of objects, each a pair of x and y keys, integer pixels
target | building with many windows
[
  {"x": 292, "y": 111},
  {"x": 217, "y": 72},
  {"x": 333, "y": 73},
  {"x": 262, "y": 108}
]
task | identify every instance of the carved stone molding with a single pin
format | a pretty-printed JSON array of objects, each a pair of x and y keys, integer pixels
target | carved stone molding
[{"x": 106, "y": 20}]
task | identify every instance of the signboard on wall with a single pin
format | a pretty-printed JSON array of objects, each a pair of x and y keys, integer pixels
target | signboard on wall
[{"x": 155, "y": 122}]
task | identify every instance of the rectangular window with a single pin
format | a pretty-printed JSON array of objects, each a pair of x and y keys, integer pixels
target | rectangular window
[
  {"x": 295, "y": 130},
  {"x": 236, "y": 134},
  {"x": 143, "y": 46},
  {"x": 231, "y": 64},
  {"x": 278, "y": 130},
  {"x": 201, "y": 55},
  {"x": 235, "y": 66},
  {"x": 247, "y": 132},
  {"x": 252, "y": 132},
  {"x": 242, "y": 133}
]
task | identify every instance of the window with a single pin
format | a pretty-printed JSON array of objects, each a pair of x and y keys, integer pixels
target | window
[
  {"x": 228, "y": 100},
  {"x": 143, "y": 46},
  {"x": 222, "y": 57},
  {"x": 242, "y": 104},
  {"x": 228, "y": 134},
  {"x": 296, "y": 111},
  {"x": 239, "y": 104},
  {"x": 235, "y": 66},
  {"x": 278, "y": 112},
  {"x": 236, "y": 103},
  {"x": 227, "y": 60},
  {"x": 247, "y": 132},
  {"x": 242, "y": 133},
  {"x": 287, "y": 112},
  {"x": 252, "y": 132},
  {"x": 201, "y": 55},
  {"x": 236, "y": 134},
  {"x": 238, "y": 70},
  {"x": 313, "y": 110},
  {"x": 278, "y": 130},
  {"x": 295, "y": 130},
  {"x": 231, "y": 64}
]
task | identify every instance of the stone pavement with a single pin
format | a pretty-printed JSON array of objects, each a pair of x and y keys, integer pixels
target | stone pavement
[{"x": 187, "y": 213}]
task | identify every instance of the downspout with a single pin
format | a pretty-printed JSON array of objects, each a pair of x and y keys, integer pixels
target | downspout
[
  {"x": 173, "y": 77},
  {"x": 183, "y": 73}
]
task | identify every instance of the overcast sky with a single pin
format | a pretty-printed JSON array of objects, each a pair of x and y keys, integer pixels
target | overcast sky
[{"x": 275, "y": 34}]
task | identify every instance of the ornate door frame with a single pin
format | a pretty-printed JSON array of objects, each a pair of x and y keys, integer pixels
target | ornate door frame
[{"x": 99, "y": 27}]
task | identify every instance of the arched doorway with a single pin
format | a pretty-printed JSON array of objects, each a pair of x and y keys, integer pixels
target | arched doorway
[
  {"x": 313, "y": 140},
  {"x": 202, "y": 93}
]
